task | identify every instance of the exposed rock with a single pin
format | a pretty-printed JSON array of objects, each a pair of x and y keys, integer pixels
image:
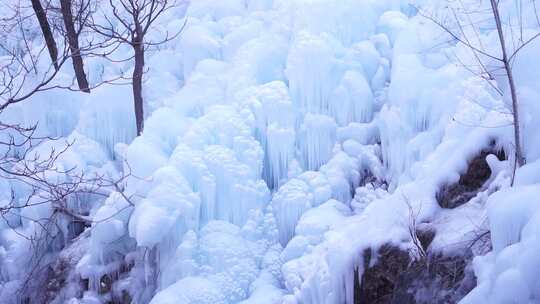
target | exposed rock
[
  {"x": 478, "y": 172},
  {"x": 396, "y": 278},
  {"x": 75, "y": 228},
  {"x": 381, "y": 280},
  {"x": 426, "y": 234},
  {"x": 105, "y": 283}
]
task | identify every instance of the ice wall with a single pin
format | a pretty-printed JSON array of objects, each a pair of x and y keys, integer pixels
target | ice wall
[{"x": 282, "y": 139}]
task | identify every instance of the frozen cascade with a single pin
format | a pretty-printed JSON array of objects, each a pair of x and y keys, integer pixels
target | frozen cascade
[
  {"x": 352, "y": 100},
  {"x": 348, "y": 22},
  {"x": 198, "y": 43},
  {"x": 316, "y": 140},
  {"x": 235, "y": 196},
  {"x": 159, "y": 212},
  {"x": 280, "y": 151},
  {"x": 99, "y": 122},
  {"x": 282, "y": 139},
  {"x": 311, "y": 84},
  {"x": 242, "y": 124},
  {"x": 288, "y": 204},
  {"x": 199, "y": 177},
  {"x": 275, "y": 129}
]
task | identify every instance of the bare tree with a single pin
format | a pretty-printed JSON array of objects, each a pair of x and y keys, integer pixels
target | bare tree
[
  {"x": 520, "y": 159},
  {"x": 33, "y": 172},
  {"x": 73, "y": 38},
  {"x": 25, "y": 163},
  {"x": 47, "y": 32},
  {"x": 460, "y": 26},
  {"x": 129, "y": 24},
  {"x": 20, "y": 75}
]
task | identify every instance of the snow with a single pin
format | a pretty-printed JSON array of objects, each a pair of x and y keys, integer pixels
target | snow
[
  {"x": 200, "y": 291},
  {"x": 390, "y": 23},
  {"x": 158, "y": 213},
  {"x": 508, "y": 272},
  {"x": 199, "y": 43}
]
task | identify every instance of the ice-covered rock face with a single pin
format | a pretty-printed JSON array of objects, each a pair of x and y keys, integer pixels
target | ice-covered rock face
[
  {"x": 508, "y": 273},
  {"x": 283, "y": 138},
  {"x": 223, "y": 260},
  {"x": 254, "y": 118}
]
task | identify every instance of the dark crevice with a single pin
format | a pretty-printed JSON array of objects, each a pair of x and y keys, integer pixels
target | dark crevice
[
  {"x": 396, "y": 278},
  {"x": 470, "y": 182}
]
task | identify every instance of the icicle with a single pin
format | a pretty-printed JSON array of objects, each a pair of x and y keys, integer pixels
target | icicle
[
  {"x": 288, "y": 205},
  {"x": 99, "y": 117},
  {"x": 275, "y": 120},
  {"x": 238, "y": 192},
  {"x": 312, "y": 84},
  {"x": 352, "y": 100},
  {"x": 316, "y": 140},
  {"x": 280, "y": 145},
  {"x": 192, "y": 165}
]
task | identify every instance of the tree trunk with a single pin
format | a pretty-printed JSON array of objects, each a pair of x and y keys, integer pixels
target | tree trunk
[
  {"x": 137, "y": 86},
  {"x": 73, "y": 40},
  {"x": 520, "y": 159},
  {"x": 46, "y": 30}
]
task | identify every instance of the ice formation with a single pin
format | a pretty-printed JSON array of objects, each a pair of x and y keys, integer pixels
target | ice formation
[{"x": 284, "y": 138}]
